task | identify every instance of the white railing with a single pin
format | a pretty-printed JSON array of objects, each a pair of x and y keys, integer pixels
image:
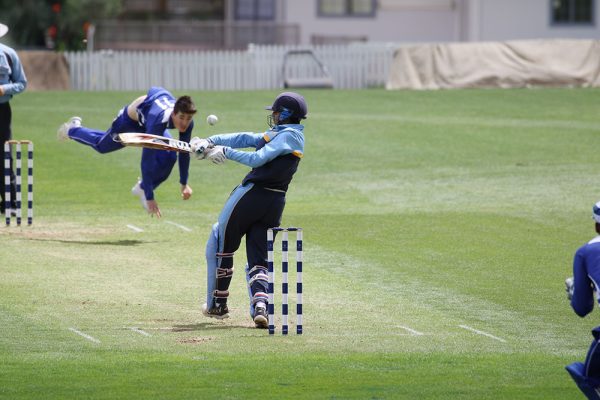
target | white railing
[{"x": 352, "y": 66}]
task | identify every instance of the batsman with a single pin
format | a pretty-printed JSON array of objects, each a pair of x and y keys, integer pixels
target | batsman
[
  {"x": 255, "y": 205},
  {"x": 581, "y": 291}
]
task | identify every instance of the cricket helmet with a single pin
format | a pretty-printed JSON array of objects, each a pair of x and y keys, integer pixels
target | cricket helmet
[
  {"x": 291, "y": 102},
  {"x": 596, "y": 212}
]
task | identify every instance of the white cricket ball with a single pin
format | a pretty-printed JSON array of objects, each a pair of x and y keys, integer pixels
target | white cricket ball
[{"x": 212, "y": 119}]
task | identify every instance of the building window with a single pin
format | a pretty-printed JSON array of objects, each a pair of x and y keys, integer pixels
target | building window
[
  {"x": 346, "y": 8},
  {"x": 572, "y": 12},
  {"x": 255, "y": 10}
]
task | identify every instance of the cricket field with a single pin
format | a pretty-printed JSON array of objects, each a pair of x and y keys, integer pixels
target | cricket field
[{"x": 439, "y": 228}]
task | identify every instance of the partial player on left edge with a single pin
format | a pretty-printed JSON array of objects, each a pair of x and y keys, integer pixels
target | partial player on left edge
[{"x": 153, "y": 113}]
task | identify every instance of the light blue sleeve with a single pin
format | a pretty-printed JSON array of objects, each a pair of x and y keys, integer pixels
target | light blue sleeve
[
  {"x": 17, "y": 76},
  {"x": 286, "y": 142},
  {"x": 239, "y": 140}
]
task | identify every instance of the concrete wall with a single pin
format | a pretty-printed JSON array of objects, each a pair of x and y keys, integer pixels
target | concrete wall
[{"x": 45, "y": 70}]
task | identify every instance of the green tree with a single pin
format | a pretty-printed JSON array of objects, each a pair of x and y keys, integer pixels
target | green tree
[{"x": 54, "y": 24}]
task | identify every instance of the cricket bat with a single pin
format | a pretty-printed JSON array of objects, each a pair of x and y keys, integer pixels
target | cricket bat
[{"x": 153, "y": 142}]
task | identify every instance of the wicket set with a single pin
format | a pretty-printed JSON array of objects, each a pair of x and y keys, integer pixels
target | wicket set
[
  {"x": 7, "y": 175},
  {"x": 284, "y": 279}
]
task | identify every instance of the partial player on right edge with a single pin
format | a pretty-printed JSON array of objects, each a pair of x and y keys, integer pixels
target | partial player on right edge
[
  {"x": 582, "y": 294},
  {"x": 255, "y": 205}
]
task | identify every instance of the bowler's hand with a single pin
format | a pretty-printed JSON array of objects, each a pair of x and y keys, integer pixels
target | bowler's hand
[
  {"x": 186, "y": 191},
  {"x": 153, "y": 208}
]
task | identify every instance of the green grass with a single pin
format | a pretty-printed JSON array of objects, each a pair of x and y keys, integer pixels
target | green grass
[{"x": 423, "y": 212}]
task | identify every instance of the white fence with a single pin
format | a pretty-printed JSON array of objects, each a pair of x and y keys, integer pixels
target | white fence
[{"x": 353, "y": 66}]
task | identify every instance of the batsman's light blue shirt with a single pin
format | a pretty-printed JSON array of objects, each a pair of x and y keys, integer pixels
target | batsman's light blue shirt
[
  {"x": 12, "y": 80},
  {"x": 282, "y": 139},
  {"x": 276, "y": 158}
]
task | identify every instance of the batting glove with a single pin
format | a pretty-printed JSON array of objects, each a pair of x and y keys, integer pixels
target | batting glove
[
  {"x": 569, "y": 287},
  {"x": 216, "y": 154},
  {"x": 199, "y": 147}
]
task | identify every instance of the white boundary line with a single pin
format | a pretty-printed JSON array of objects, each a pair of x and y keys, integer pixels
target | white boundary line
[
  {"x": 135, "y": 228},
  {"x": 412, "y": 331},
  {"x": 482, "y": 333},
  {"x": 185, "y": 228},
  {"x": 88, "y": 337},
  {"x": 141, "y": 332}
]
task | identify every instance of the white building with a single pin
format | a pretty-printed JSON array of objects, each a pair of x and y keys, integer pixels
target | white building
[
  {"x": 234, "y": 24},
  {"x": 425, "y": 20}
]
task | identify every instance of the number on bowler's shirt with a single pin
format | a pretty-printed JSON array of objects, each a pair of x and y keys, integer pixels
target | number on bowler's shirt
[{"x": 166, "y": 105}]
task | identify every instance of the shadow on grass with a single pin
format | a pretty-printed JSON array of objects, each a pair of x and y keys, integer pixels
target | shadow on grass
[{"x": 98, "y": 242}]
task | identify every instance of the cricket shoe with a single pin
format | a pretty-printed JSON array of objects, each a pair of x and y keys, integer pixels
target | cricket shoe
[
  {"x": 219, "y": 311},
  {"x": 137, "y": 190},
  {"x": 260, "y": 317},
  {"x": 63, "y": 130}
]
